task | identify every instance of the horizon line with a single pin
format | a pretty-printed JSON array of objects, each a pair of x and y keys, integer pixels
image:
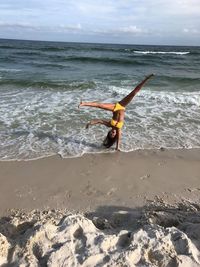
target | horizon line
[{"x": 101, "y": 43}]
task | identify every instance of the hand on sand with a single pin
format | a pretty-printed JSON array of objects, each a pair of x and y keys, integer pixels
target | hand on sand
[{"x": 87, "y": 125}]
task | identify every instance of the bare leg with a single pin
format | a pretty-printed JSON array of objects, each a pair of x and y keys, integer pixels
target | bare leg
[
  {"x": 127, "y": 99},
  {"x": 105, "y": 106}
]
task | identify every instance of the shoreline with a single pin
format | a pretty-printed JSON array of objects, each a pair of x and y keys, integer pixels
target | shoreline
[
  {"x": 101, "y": 152},
  {"x": 85, "y": 183}
]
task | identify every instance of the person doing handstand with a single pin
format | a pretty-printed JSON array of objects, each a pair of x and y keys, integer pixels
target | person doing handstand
[{"x": 118, "y": 111}]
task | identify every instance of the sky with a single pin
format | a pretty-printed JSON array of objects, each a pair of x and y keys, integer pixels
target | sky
[{"x": 172, "y": 22}]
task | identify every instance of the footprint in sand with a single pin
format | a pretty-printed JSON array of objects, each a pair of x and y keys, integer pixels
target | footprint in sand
[
  {"x": 111, "y": 191},
  {"x": 145, "y": 176}
]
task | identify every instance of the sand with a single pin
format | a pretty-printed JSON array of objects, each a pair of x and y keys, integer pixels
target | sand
[
  {"x": 81, "y": 184},
  {"x": 157, "y": 235},
  {"x": 116, "y": 209}
]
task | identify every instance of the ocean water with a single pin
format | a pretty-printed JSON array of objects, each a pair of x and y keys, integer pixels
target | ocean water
[{"x": 42, "y": 83}]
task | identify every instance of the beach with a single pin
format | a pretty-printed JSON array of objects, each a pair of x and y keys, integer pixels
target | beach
[
  {"x": 64, "y": 199},
  {"x": 115, "y": 209}
]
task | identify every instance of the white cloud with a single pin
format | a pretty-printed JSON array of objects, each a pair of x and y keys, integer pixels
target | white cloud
[
  {"x": 28, "y": 26},
  {"x": 18, "y": 25},
  {"x": 70, "y": 27},
  {"x": 131, "y": 29},
  {"x": 162, "y": 19},
  {"x": 193, "y": 31}
]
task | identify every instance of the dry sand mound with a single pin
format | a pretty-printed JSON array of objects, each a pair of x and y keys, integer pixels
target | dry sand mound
[{"x": 156, "y": 235}]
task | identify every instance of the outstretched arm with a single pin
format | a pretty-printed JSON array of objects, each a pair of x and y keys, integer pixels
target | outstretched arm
[
  {"x": 119, "y": 133},
  {"x": 98, "y": 121},
  {"x": 127, "y": 99}
]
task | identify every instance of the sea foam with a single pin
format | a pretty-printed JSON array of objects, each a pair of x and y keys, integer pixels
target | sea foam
[
  {"x": 49, "y": 122},
  {"x": 163, "y": 52}
]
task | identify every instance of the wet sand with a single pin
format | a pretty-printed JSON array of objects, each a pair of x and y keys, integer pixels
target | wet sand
[{"x": 94, "y": 180}]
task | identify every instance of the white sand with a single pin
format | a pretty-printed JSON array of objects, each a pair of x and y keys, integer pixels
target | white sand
[{"x": 156, "y": 235}]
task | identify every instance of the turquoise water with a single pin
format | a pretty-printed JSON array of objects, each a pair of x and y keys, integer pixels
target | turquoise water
[{"x": 42, "y": 83}]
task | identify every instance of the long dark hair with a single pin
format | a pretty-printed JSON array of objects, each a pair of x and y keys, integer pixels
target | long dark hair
[{"x": 109, "y": 141}]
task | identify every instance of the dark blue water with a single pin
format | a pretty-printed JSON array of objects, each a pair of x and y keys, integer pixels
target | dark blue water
[{"x": 41, "y": 84}]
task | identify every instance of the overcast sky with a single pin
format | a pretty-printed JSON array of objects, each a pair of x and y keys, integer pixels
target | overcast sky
[{"x": 175, "y": 22}]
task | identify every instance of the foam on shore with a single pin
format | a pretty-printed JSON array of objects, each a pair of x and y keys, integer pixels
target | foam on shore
[{"x": 157, "y": 235}]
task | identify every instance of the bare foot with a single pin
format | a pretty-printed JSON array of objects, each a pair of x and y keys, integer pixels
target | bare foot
[{"x": 151, "y": 75}]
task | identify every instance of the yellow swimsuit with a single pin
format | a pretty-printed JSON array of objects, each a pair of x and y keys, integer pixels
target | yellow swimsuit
[
  {"x": 114, "y": 123},
  {"x": 118, "y": 107}
]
